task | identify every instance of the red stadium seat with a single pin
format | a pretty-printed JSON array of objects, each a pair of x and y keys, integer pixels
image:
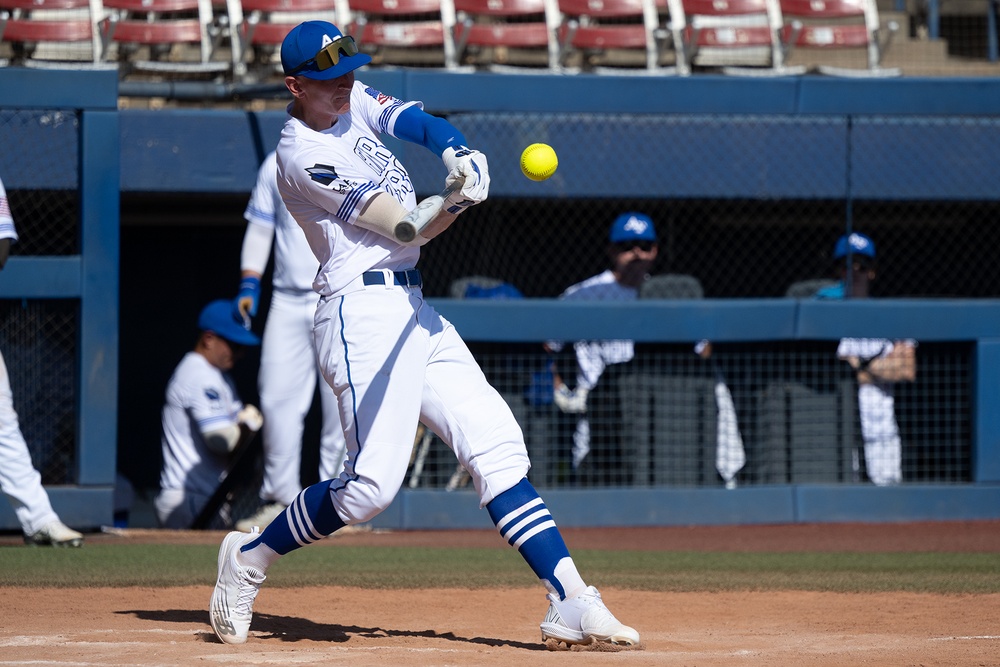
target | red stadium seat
[
  {"x": 616, "y": 35},
  {"x": 181, "y": 37},
  {"x": 739, "y": 36},
  {"x": 840, "y": 25},
  {"x": 405, "y": 32},
  {"x": 52, "y": 33},
  {"x": 502, "y": 34},
  {"x": 265, "y": 24}
]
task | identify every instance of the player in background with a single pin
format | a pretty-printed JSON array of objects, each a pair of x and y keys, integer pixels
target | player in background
[
  {"x": 632, "y": 251},
  {"x": 19, "y": 480},
  {"x": 391, "y": 358},
  {"x": 204, "y": 421},
  {"x": 878, "y": 364},
  {"x": 288, "y": 369}
]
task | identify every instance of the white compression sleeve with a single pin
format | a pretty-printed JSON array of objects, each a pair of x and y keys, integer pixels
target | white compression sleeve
[
  {"x": 256, "y": 247},
  {"x": 381, "y": 214}
]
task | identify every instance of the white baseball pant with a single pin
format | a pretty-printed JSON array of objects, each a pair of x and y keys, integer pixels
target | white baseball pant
[
  {"x": 19, "y": 480},
  {"x": 393, "y": 360},
  {"x": 287, "y": 383}
]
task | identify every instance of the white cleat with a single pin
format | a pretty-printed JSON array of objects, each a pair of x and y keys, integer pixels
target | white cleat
[
  {"x": 56, "y": 534},
  {"x": 583, "y": 620},
  {"x": 235, "y": 590},
  {"x": 261, "y": 518}
]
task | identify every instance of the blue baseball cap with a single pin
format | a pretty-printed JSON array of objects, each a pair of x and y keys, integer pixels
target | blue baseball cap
[
  {"x": 632, "y": 227},
  {"x": 318, "y": 50},
  {"x": 857, "y": 243},
  {"x": 219, "y": 318}
]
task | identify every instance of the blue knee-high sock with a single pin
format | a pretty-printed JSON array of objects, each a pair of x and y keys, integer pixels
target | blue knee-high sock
[
  {"x": 525, "y": 522},
  {"x": 309, "y": 518}
]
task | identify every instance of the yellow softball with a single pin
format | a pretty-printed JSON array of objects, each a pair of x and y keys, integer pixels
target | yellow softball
[{"x": 539, "y": 161}]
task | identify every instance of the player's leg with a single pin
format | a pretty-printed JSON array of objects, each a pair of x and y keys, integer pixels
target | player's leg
[
  {"x": 581, "y": 442},
  {"x": 21, "y": 482},
  {"x": 475, "y": 421},
  {"x": 287, "y": 383},
  {"x": 332, "y": 445},
  {"x": 363, "y": 341},
  {"x": 883, "y": 460},
  {"x": 880, "y": 432}
]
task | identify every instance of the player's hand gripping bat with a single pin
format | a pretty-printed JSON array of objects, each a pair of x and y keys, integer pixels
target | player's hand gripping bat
[{"x": 407, "y": 229}]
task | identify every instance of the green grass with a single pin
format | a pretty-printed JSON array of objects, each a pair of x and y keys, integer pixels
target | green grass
[{"x": 406, "y": 567}]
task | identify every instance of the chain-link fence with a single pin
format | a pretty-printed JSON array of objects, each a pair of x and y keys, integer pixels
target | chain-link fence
[
  {"x": 735, "y": 248},
  {"x": 748, "y": 204},
  {"x": 751, "y": 414},
  {"x": 38, "y": 337},
  {"x": 656, "y": 420}
]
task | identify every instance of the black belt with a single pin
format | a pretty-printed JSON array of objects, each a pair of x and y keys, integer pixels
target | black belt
[{"x": 408, "y": 278}]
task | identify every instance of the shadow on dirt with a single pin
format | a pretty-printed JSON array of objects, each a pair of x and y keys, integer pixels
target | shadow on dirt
[{"x": 293, "y": 629}]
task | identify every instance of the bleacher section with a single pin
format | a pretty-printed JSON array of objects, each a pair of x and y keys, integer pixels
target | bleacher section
[{"x": 208, "y": 40}]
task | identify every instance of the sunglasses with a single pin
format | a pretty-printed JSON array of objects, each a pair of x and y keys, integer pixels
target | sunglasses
[
  {"x": 625, "y": 246},
  {"x": 329, "y": 55}
]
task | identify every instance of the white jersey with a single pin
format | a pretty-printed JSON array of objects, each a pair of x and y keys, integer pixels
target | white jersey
[
  {"x": 594, "y": 355},
  {"x": 200, "y": 399},
  {"x": 294, "y": 268},
  {"x": 7, "y": 230},
  {"x": 319, "y": 172}
]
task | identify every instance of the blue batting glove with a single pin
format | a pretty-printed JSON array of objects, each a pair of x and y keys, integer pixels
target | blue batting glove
[{"x": 247, "y": 298}]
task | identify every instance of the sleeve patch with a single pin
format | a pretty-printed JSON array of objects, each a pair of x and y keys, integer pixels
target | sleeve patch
[
  {"x": 323, "y": 174},
  {"x": 379, "y": 97}
]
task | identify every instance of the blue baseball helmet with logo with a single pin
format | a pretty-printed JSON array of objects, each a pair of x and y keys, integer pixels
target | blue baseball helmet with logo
[
  {"x": 219, "y": 318},
  {"x": 318, "y": 50},
  {"x": 632, "y": 227},
  {"x": 856, "y": 243}
]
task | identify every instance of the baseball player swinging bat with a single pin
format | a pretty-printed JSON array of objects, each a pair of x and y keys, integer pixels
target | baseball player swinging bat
[{"x": 407, "y": 229}]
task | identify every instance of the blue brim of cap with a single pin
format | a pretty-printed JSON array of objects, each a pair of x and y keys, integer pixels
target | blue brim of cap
[
  {"x": 344, "y": 65},
  {"x": 620, "y": 238}
]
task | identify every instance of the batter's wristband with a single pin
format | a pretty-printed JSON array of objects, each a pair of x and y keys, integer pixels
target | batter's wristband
[{"x": 250, "y": 285}]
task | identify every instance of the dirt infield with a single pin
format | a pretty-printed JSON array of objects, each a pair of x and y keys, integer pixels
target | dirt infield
[{"x": 341, "y": 625}]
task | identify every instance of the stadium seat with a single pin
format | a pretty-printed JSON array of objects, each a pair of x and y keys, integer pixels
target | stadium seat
[
  {"x": 52, "y": 33},
  {"x": 741, "y": 37},
  {"x": 265, "y": 24},
  {"x": 671, "y": 286},
  {"x": 405, "y": 32},
  {"x": 502, "y": 35},
  {"x": 840, "y": 25},
  {"x": 616, "y": 36},
  {"x": 172, "y": 37}
]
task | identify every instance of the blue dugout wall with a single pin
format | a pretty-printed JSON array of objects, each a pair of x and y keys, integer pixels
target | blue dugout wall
[
  {"x": 90, "y": 277},
  {"x": 841, "y": 127}
]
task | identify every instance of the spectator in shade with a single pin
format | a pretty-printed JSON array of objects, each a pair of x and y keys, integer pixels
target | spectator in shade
[{"x": 878, "y": 364}]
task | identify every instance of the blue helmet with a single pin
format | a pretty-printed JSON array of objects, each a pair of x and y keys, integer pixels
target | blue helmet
[
  {"x": 318, "y": 50},
  {"x": 632, "y": 227},
  {"x": 219, "y": 318},
  {"x": 856, "y": 243}
]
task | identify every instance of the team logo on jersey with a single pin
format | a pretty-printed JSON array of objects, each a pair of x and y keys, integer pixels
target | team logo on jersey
[
  {"x": 323, "y": 174},
  {"x": 379, "y": 97}
]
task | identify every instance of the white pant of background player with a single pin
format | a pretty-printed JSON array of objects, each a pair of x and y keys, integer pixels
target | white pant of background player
[
  {"x": 287, "y": 384},
  {"x": 18, "y": 478},
  {"x": 367, "y": 335}
]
